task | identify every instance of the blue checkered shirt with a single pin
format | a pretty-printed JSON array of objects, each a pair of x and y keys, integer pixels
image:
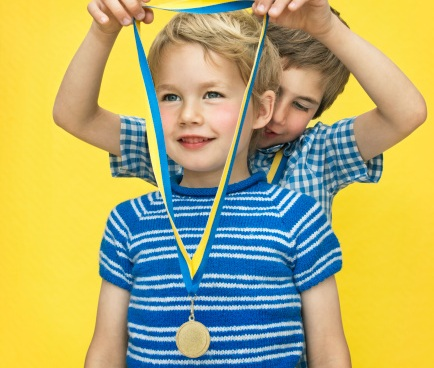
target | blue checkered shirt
[{"x": 321, "y": 162}]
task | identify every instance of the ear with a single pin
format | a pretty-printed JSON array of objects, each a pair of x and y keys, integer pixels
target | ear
[{"x": 265, "y": 110}]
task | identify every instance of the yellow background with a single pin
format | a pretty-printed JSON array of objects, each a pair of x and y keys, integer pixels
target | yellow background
[{"x": 57, "y": 191}]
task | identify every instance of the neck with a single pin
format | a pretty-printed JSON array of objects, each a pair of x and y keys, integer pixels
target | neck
[{"x": 194, "y": 179}]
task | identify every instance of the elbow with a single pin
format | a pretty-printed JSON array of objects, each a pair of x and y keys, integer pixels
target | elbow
[
  {"x": 419, "y": 114},
  {"x": 59, "y": 115},
  {"x": 411, "y": 117},
  {"x": 423, "y": 113},
  {"x": 65, "y": 116}
]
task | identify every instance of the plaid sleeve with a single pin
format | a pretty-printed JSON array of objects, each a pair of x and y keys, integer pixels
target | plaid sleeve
[
  {"x": 115, "y": 265},
  {"x": 318, "y": 253},
  {"x": 344, "y": 164},
  {"x": 135, "y": 160}
]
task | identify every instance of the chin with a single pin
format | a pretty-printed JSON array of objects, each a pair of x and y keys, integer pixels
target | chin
[{"x": 265, "y": 143}]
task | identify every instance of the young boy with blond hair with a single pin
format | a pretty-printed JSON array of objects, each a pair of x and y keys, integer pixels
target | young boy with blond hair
[{"x": 273, "y": 251}]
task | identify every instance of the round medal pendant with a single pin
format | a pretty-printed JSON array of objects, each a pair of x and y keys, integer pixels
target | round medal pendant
[{"x": 192, "y": 339}]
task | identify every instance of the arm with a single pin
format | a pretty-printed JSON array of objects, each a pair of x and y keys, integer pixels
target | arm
[
  {"x": 400, "y": 108},
  {"x": 109, "y": 343},
  {"x": 325, "y": 339},
  {"x": 76, "y": 106}
]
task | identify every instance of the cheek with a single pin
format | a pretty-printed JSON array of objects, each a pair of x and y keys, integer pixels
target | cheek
[
  {"x": 167, "y": 119},
  {"x": 226, "y": 117},
  {"x": 297, "y": 122}
]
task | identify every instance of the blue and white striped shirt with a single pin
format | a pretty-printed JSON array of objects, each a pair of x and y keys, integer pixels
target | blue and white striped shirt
[{"x": 271, "y": 245}]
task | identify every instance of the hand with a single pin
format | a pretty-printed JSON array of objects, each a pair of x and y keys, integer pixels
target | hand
[
  {"x": 112, "y": 15},
  {"x": 311, "y": 16}
]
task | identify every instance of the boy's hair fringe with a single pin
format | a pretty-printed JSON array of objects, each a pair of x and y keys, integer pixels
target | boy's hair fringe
[{"x": 232, "y": 35}]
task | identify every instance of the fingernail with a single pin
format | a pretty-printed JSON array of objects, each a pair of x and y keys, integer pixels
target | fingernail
[
  {"x": 140, "y": 16},
  {"x": 126, "y": 21}
]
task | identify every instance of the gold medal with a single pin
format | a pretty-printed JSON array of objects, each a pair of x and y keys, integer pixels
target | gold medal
[{"x": 192, "y": 338}]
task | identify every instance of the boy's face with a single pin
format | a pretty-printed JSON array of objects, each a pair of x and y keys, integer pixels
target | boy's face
[
  {"x": 300, "y": 95},
  {"x": 199, "y": 99}
]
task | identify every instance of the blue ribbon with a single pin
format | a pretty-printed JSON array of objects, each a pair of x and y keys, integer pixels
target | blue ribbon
[{"x": 192, "y": 269}]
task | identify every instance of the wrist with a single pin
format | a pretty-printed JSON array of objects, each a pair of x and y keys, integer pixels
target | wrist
[
  {"x": 332, "y": 32},
  {"x": 105, "y": 36}
]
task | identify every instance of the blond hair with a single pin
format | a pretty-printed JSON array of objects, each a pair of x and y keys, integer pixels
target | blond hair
[{"x": 232, "y": 35}]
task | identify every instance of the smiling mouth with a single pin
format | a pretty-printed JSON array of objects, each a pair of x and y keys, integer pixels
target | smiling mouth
[
  {"x": 193, "y": 140},
  {"x": 269, "y": 133}
]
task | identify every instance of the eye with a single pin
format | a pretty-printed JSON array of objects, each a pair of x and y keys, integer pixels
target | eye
[
  {"x": 212, "y": 94},
  {"x": 170, "y": 97},
  {"x": 299, "y": 106}
]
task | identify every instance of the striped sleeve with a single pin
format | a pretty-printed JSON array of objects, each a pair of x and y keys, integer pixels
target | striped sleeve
[
  {"x": 318, "y": 254},
  {"x": 115, "y": 265}
]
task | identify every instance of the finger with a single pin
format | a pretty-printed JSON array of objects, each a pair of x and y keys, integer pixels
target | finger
[
  {"x": 97, "y": 14},
  {"x": 278, "y": 7},
  {"x": 134, "y": 8},
  {"x": 149, "y": 16},
  {"x": 119, "y": 12},
  {"x": 296, "y": 4},
  {"x": 261, "y": 7}
]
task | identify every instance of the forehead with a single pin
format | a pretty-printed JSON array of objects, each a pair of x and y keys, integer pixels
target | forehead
[
  {"x": 303, "y": 82},
  {"x": 193, "y": 59}
]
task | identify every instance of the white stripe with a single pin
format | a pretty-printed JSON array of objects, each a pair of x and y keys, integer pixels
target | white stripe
[
  {"x": 255, "y": 351},
  {"x": 226, "y": 338},
  {"x": 125, "y": 231},
  {"x": 319, "y": 271},
  {"x": 157, "y": 258},
  {"x": 115, "y": 273},
  {"x": 223, "y": 276},
  {"x": 159, "y": 278},
  {"x": 314, "y": 236},
  {"x": 146, "y": 252},
  {"x": 247, "y": 256},
  {"x": 201, "y": 307},
  {"x": 217, "y": 329},
  {"x": 329, "y": 255},
  {"x": 225, "y": 362},
  {"x": 224, "y": 299}
]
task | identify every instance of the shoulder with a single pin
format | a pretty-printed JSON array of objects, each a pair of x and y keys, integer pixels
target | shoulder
[
  {"x": 138, "y": 205},
  {"x": 288, "y": 202}
]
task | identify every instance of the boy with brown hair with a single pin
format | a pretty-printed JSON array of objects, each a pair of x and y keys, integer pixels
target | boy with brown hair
[{"x": 316, "y": 57}]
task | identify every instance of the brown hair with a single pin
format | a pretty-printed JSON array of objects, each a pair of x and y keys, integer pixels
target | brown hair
[{"x": 298, "y": 49}]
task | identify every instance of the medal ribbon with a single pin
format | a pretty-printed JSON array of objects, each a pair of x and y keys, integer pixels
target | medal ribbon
[
  {"x": 277, "y": 167},
  {"x": 192, "y": 268}
]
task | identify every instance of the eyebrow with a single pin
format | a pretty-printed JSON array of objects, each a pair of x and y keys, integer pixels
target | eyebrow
[
  {"x": 205, "y": 85},
  {"x": 304, "y": 98},
  {"x": 308, "y": 99}
]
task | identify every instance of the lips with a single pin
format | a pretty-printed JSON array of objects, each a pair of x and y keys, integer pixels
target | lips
[
  {"x": 269, "y": 133},
  {"x": 194, "y": 142}
]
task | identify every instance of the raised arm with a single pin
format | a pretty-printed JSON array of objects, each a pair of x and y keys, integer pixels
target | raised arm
[
  {"x": 76, "y": 106},
  {"x": 400, "y": 108},
  {"x": 325, "y": 340}
]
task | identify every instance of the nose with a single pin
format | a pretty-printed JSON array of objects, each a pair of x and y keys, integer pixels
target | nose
[
  {"x": 280, "y": 113},
  {"x": 191, "y": 113}
]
